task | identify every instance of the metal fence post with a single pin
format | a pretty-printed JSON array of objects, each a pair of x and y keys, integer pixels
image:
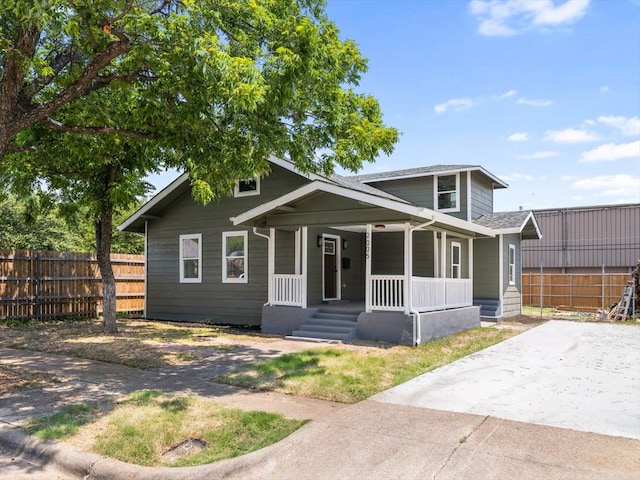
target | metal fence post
[
  {"x": 603, "y": 287},
  {"x": 541, "y": 285}
]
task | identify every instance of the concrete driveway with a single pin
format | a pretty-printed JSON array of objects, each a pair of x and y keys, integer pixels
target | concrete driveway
[{"x": 580, "y": 376}]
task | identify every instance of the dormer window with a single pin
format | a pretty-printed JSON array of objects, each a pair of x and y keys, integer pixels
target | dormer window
[
  {"x": 247, "y": 187},
  {"x": 447, "y": 188}
]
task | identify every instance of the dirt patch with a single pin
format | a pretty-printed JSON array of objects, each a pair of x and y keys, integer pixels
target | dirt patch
[
  {"x": 525, "y": 320},
  {"x": 138, "y": 344},
  {"x": 13, "y": 378}
]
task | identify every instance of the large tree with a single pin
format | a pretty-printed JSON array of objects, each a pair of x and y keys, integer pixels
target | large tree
[{"x": 95, "y": 94}]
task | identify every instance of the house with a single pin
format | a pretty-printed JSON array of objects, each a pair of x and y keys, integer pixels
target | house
[
  {"x": 404, "y": 256},
  {"x": 585, "y": 240}
]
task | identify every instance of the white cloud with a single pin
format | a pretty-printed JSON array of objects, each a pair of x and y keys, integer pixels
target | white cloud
[
  {"x": 605, "y": 89},
  {"x": 623, "y": 186},
  {"x": 511, "y": 17},
  {"x": 518, "y": 137},
  {"x": 456, "y": 104},
  {"x": 508, "y": 94},
  {"x": 538, "y": 155},
  {"x": 612, "y": 151},
  {"x": 534, "y": 103},
  {"x": 626, "y": 126},
  {"x": 570, "y": 135}
]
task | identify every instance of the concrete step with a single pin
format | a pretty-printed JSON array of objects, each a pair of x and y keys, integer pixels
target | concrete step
[
  {"x": 339, "y": 311},
  {"x": 312, "y": 339},
  {"x": 326, "y": 328},
  {"x": 330, "y": 322},
  {"x": 342, "y": 337},
  {"x": 339, "y": 320},
  {"x": 352, "y": 317}
]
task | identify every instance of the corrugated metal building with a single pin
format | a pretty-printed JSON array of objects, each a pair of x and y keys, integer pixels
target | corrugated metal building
[{"x": 584, "y": 239}]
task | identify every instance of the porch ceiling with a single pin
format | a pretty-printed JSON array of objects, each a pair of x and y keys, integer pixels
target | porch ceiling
[{"x": 324, "y": 205}]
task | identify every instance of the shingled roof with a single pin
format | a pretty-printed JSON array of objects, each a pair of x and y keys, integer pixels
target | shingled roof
[
  {"x": 521, "y": 221},
  {"x": 426, "y": 171}
]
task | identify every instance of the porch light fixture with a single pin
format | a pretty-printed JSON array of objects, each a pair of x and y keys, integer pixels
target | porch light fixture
[
  {"x": 379, "y": 226},
  {"x": 319, "y": 240},
  {"x": 345, "y": 244}
]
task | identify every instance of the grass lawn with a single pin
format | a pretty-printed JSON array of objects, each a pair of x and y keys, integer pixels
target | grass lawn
[
  {"x": 351, "y": 374},
  {"x": 145, "y": 427}
]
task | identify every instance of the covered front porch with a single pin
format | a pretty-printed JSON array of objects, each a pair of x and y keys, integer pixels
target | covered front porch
[
  {"x": 448, "y": 284},
  {"x": 406, "y": 267}
]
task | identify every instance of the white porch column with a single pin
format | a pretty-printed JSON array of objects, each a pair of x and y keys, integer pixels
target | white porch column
[
  {"x": 297, "y": 253},
  {"x": 470, "y": 258},
  {"x": 368, "y": 250},
  {"x": 443, "y": 255},
  {"x": 271, "y": 263},
  {"x": 303, "y": 264},
  {"x": 408, "y": 267},
  {"x": 436, "y": 256}
]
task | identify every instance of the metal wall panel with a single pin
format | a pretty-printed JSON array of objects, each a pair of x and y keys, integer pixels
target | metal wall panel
[{"x": 586, "y": 238}]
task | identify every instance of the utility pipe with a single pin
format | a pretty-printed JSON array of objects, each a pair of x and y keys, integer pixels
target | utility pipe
[
  {"x": 270, "y": 266},
  {"x": 417, "y": 331}
]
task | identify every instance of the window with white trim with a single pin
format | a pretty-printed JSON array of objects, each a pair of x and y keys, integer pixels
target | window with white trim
[
  {"x": 512, "y": 264},
  {"x": 447, "y": 192},
  {"x": 191, "y": 258},
  {"x": 234, "y": 257},
  {"x": 456, "y": 252},
  {"x": 247, "y": 187}
]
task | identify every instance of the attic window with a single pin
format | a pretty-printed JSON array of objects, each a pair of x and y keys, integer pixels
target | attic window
[
  {"x": 247, "y": 187},
  {"x": 447, "y": 188}
]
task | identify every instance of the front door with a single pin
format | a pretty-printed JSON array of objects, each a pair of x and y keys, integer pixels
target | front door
[{"x": 330, "y": 271}]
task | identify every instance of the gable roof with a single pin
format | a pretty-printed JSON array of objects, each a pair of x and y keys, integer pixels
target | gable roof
[
  {"x": 347, "y": 187},
  {"x": 353, "y": 184},
  {"x": 281, "y": 207},
  {"x": 153, "y": 207},
  {"x": 520, "y": 221},
  {"x": 427, "y": 171}
]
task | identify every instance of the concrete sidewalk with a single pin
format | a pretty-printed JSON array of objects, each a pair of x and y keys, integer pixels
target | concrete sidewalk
[{"x": 371, "y": 439}]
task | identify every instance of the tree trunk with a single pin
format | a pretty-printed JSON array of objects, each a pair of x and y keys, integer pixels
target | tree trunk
[{"x": 103, "y": 246}]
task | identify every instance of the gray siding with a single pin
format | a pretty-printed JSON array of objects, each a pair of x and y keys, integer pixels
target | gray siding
[
  {"x": 486, "y": 280},
  {"x": 352, "y": 278},
  {"x": 388, "y": 254},
  {"x": 481, "y": 196},
  {"x": 420, "y": 192},
  {"x": 583, "y": 239},
  {"x": 512, "y": 298},
  {"x": 415, "y": 190},
  {"x": 168, "y": 299}
]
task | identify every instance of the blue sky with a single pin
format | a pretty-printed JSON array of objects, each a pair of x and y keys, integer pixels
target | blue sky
[{"x": 545, "y": 94}]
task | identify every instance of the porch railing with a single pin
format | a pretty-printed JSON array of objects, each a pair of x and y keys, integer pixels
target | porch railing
[
  {"x": 459, "y": 292},
  {"x": 387, "y": 292},
  {"x": 287, "y": 290},
  {"x": 427, "y": 294}
]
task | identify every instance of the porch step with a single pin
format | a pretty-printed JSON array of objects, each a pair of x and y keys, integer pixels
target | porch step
[
  {"x": 329, "y": 324},
  {"x": 488, "y": 307},
  {"x": 333, "y": 322},
  {"x": 350, "y": 317},
  {"x": 338, "y": 311},
  {"x": 299, "y": 334}
]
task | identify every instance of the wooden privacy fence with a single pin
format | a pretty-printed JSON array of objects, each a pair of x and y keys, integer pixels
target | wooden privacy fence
[
  {"x": 45, "y": 285},
  {"x": 588, "y": 291}
]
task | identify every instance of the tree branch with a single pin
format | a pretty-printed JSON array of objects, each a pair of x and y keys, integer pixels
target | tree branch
[
  {"x": 77, "y": 89},
  {"x": 14, "y": 148},
  {"x": 55, "y": 125}
]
